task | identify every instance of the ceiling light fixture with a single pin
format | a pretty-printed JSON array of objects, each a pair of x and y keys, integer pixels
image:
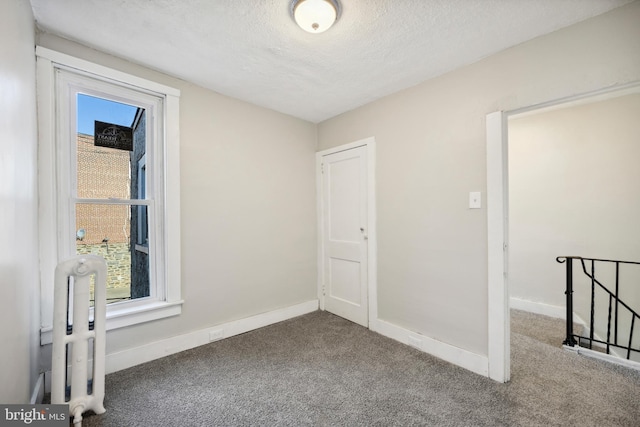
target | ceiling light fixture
[{"x": 315, "y": 16}]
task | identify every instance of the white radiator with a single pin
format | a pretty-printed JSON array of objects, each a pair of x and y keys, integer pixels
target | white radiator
[{"x": 79, "y": 336}]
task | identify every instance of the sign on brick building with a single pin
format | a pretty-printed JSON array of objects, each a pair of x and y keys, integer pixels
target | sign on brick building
[{"x": 113, "y": 136}]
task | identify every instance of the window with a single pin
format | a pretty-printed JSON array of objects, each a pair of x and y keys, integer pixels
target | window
[
  {"x": 109, "y": 184},
  {"x": 109, "y": 141}
]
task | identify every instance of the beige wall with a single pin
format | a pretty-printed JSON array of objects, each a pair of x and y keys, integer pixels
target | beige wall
[
  {"x": 248, "y": 194},
  {"x": 19, "y": 305},
  {"x": 432, "y": 249},
  {"x": 247, "y": 202},
  {"x": 574, "y": 189}
]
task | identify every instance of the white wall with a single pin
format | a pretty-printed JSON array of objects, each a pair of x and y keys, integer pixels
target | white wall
[
  {"x": 432, "y": 249},
  {"x": 574, "y": 189},
  {"x": 19, "y": 305},
  {"x": 248, "y": 208}
]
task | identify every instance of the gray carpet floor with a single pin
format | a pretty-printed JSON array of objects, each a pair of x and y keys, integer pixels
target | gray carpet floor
[{"x": 321, "y": 370}]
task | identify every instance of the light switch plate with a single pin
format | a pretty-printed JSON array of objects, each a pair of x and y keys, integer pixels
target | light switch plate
[{"x": 475, "y": 200}]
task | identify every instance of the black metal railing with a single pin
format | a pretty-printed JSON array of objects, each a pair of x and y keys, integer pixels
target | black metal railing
[{"x": 614, "y": 307}]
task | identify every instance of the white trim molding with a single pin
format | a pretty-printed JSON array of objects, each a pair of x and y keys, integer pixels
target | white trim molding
[
  {"x": 559, "y": 312},
  {"x": 615, "y": 359},
  {"x": 476, "y": 363},
  {"x": 499, "y": 343},
  {"x": 101, "y": 71}
]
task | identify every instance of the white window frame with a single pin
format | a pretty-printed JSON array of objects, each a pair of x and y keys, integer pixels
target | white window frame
[
  {"x": 141, "y": 221},
  {"x": 54, "y": 197}
]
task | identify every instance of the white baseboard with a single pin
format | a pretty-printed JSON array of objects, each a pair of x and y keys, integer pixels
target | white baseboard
[
  {"x": 474, "y": 362},
  {"x": 585, "y": 329},
  {"x": 155, "y": 350},
  {"x": 603, "y": 356},
  {"x": 586, "y": 332},
  {"x": 37, "y": 395},
  {"x": 559, "y": 312}
]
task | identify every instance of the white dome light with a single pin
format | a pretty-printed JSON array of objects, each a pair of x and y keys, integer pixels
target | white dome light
[{"x": 315, "y": 16}]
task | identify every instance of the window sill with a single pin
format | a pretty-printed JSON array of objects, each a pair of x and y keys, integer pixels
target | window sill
[
  {"x": 141, "y": 248},
  {"x": 121, "y": 317}
]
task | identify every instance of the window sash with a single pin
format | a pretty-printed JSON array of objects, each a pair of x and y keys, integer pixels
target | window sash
[
  {"x": 156, "y": 290},
  {"x": 68, "y": 85}
]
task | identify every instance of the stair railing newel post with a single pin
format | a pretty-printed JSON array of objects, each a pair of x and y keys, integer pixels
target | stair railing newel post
[
  {"x": 570, "y": 341},
  {"x": 615, "y": 329},
  {"x": 609, "y": 324},
  {"x": 593, "y": 302},
  {"x": 633, "y": 321}
]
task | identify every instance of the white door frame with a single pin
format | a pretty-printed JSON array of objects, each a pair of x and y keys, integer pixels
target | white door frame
[
  {"x": 499, "y": 346},
  {"x": 499, "y": 343},
  {"x": 372, "y": 269}
]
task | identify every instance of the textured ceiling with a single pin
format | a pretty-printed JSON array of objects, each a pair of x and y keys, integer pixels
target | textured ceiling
[{"x": 252, "y": 49}]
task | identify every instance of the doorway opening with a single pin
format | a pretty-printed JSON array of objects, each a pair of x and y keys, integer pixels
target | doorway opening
[{"x": 498, "y": 214}]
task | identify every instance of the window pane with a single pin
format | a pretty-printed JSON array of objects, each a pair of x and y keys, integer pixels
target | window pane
[
  {"x": 140, "y": 254},
  {"x": 110, "y": 139},
  {"x": 108, "y": 231}
]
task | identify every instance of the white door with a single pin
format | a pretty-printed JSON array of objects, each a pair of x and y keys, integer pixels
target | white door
[{"x": 344, "y": 239}]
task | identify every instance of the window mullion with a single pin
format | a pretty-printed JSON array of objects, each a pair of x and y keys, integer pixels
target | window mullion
[{"x": 133, "y": 202}]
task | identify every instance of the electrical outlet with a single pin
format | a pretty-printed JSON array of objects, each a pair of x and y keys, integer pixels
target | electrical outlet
[{"x": 216, "y": 334}]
